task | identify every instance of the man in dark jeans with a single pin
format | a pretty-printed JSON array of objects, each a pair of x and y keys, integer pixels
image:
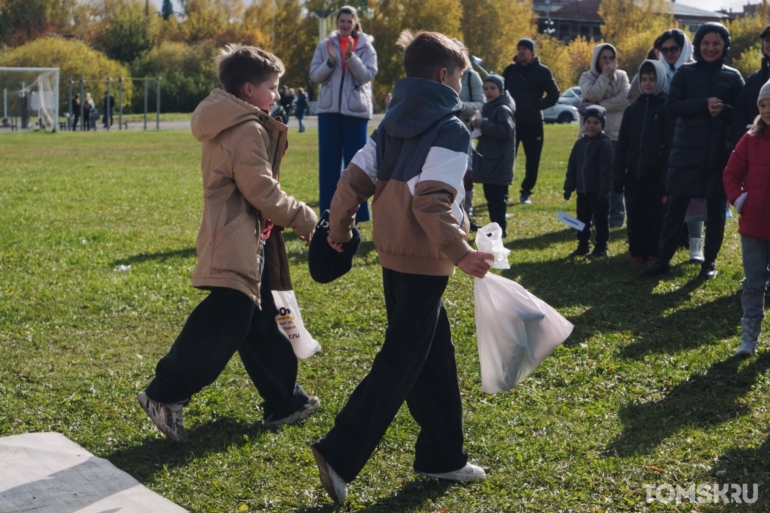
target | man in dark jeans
[{"x": 527, "y": 81}]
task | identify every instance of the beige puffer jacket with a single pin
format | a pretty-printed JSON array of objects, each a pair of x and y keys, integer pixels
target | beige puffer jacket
[
  {"x": 242, "y": 149},
  {"x": 609, "y": 92}
]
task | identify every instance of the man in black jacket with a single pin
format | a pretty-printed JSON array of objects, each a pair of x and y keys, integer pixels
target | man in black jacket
[
  {"x": 526, "y": 80},
  {"x": 746, "y": 109}
]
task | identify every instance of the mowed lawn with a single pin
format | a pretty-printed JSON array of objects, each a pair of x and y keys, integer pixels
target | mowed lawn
[{"x": 645, "y": 391}]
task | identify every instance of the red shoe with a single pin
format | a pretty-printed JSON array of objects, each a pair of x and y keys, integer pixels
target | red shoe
[
  {"x": 652, "y": 260},
  {"x": 638, "y": 261}
]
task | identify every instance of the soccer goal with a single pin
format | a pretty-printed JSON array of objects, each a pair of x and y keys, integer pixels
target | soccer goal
[{"x": 30, "y": 98}]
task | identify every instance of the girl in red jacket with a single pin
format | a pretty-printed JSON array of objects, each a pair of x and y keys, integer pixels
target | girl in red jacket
[{"x": 747, "y": 184}]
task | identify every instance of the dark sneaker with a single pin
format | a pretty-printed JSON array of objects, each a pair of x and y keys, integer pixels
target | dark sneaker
[
  {"x": 167, "y": 416},
  {"x": 657, "y": 268},
  {"x": 524, "y": 199},
  {"x": 304, "y": 412},
  {"x": 708, "y": 271},
  {"x": 598, "y": 253},
  {"x": 468, "y": 474},
  {"x": 580, "y": 251},
  {"x": 334, "y": 485}
]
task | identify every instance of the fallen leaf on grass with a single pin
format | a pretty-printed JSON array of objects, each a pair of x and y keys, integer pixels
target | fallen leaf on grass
[{"x": 655, "y": 469}]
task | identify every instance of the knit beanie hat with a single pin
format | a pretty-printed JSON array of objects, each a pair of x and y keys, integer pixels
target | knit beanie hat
[
  {"x": 325, "y": 263},
  {"x": 764, "y": 93},
  {"x": 497, "y": 79},
  {"x": 595, "y": 111},
  {"x": 526, "y": 42}
]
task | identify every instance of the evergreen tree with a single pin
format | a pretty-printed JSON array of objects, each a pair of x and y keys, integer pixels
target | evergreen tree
[{"x": 167, "y": 10}]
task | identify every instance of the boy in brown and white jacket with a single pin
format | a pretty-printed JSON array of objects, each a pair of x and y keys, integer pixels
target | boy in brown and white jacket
[
  {"x": 413, "y": 165},
  {"x": 241, "y": 257}
]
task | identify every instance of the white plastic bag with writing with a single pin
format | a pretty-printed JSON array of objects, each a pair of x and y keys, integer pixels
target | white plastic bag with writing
[
  {"x": 489, "y": 239},
  {"x": 290, "y": 320},
  {"x": 515, "y": 330}
]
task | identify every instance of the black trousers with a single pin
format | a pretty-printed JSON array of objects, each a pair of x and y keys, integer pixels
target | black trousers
[
  {"x": 645, "y": 216},
  {"x": 225, "y": 322},
  {"x": 588, "y": 208},
  {"x": 416, "y": 364},
  {"x": 497, "y": 203},
  {"x": 531, "y": 136},
  {"x": 673, "y": 221}
]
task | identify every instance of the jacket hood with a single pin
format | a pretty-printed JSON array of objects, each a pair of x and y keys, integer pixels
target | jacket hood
[
  {"x": 220, "y": 111},
  {"x": 417, "y": 103},
  {"x": 595, "y": 56},
  {"x": 363, "y": 39},
  {"x": 708, "y": 28},
  {"x": 504, "y": 99},
  {"x": 684, "y": 57},
  {"x": 661, "y": 85}
]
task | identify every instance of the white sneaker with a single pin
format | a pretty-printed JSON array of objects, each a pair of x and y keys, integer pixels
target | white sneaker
[
  {"x": 468, "y": 474},
  {"x": 746, "y": 349},
  {"x": 307, "y": 410},
  {"x": 696, "y": 250},
  {"x": 334, "y": 485},
  {"x": 167, "y": 416}
]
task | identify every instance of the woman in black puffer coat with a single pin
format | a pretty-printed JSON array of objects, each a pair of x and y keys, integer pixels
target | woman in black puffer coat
[{"x": 701, "y": 98}]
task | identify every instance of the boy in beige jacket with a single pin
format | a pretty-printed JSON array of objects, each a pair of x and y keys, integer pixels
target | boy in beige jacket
[{"x": 241, "y": 255}]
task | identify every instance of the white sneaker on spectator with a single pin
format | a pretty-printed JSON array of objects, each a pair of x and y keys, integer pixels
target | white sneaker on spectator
[
  {"x": 167, "y": 416},
  {"x": 334, "y": 485},
  {"x": 468, "y": 474}
]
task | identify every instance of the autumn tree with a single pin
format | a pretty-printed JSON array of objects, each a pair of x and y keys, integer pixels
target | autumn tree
[
  {"x": 491, "y": 29},
  {"x": 24, "y": 20}
]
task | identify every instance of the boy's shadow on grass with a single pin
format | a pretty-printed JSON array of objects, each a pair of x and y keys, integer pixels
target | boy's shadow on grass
[
  {"x": 749, "y": 467},
  {"x": 412, "y": 496},
  {"x": 160, "y": 257},
  {"x": 147, "y": 457},
  {"x": 704, "y": 401},
  {"x": 614, "y": 300}
]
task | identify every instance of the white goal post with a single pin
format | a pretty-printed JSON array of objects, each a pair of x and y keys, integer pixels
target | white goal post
[{"x": 27, "y": 90}]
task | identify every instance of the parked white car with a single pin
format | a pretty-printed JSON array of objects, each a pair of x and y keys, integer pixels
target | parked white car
[
  {"x": 571, "y": 96},
  {"x": 560, "y": 113}
]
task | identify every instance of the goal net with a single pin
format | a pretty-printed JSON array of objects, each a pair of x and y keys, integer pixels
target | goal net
[{"x": 30, "y": 98}]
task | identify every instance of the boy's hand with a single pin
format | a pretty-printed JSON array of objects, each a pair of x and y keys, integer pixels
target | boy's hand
[
  {"x": 567, "y": 195},
  {"x": 307, "y": 238},
  {"x": 332, "y": 53},
  {"x": 336, "y": 245},
  {"x": 475, "y": 263}
]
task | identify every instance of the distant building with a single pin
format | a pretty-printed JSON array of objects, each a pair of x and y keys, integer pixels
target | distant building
[
  {"x": 748, "y": 10},
  {"x": 568, "y": 19}
]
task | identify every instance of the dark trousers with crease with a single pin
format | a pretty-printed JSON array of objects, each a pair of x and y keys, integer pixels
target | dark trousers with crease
[
  {"x": 645, "y": 216},
  {"x": 673, "y": 222},
  {"x": 497, "y": 203},
  {"x": 416, "y": 364},
  {"x": 531, "y": 137},
  {"x": 225, "y": 322}
]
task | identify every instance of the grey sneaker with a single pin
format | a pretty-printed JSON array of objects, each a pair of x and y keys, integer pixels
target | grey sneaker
[
  {"x": 746, "y": 349},
  {"x": 304, "y": 412},
  {"x": 167, "y": 416},
  {"x": 524, "y": 199},
  {"x": 468, "y": 474},
  {"x": 334, "y": 485}
]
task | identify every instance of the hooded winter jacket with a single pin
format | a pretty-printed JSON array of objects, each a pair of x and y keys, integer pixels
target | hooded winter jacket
[
  {"x": 526, "y": 85},
  {"x": 609, "y": 92},
  {"x": 701, "y": 146},
  {"x": 748, "y": 170},
  {"x": 493, "y": 161},
  {"x": 746, "y": 109},
  {"x": 345, "y": 92},
  {"x": 590, "y": 165},
  {"x": 241, "y": 156},
  {"x": 413, "y": 165},
  {"x": 645, "y": 134}
]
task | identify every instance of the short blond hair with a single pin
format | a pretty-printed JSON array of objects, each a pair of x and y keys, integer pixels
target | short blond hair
[
  {"x": 427, "y": 52},
  {"x": 237, "y": 64}
]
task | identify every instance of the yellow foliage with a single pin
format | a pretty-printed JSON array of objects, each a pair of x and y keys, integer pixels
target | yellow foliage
[
  {"x": 580, "y": 51},
  {"x": 491, "y": 29},
  {"x": 744, "y": 34},
  {"x": 74, "y": 59},
  {"x": 750, "y": 60},
  {"x": 554, "y": 54}
]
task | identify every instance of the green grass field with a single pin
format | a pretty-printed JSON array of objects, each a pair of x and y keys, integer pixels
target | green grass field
[{"x": 645, "y": 391}]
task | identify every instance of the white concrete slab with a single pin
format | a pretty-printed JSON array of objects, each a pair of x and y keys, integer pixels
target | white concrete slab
[{"x": 48, "y": 473}]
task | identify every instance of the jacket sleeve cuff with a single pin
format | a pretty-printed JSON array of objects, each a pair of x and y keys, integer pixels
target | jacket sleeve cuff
[
  {"x": 457, "y": 250},
  {"x": 329, "y": 64}
]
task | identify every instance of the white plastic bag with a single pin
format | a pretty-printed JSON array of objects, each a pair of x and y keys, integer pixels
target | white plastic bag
[
  {"x": 290, "y": 320},
  {"x": 489, "y": 239},
  {"x": 515, "y": 330}
]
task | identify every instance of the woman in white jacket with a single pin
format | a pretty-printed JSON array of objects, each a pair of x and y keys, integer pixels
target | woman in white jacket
[
  {"x": 344, "y": 64},
  {"x": 606, "y": 85}
]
